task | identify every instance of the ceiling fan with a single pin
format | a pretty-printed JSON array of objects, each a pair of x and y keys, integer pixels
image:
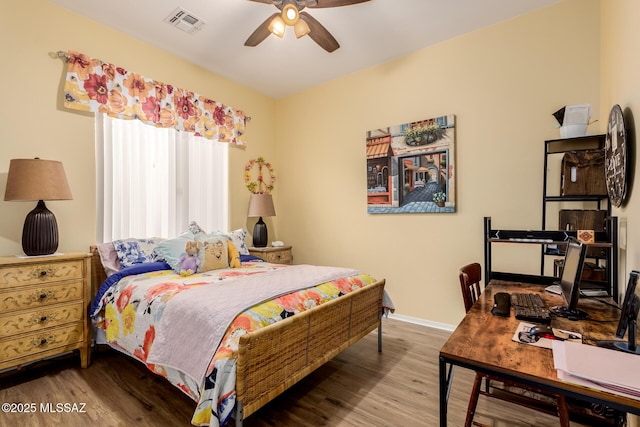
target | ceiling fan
[{"x": 291, "y": 14}]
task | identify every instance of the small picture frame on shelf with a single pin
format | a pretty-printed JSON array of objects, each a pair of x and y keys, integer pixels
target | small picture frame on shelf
[{"x": 586, "y": 236}]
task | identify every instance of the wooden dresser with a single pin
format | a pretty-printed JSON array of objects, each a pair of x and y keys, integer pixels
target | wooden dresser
[
  {"x": 43, "y": 308},
  {"x": 274, "y": 254}
]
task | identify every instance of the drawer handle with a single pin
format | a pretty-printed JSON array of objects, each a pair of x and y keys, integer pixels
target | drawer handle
[
  {"x": 43, "y": 319},
  {"x": 43, "y": 295},
  {"x": 43, "y": 273},
  {"x": 43, "y": 341}
]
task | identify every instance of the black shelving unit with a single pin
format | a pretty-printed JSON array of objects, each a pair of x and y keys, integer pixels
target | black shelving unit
[
  {"x": 608, "y": 260},
  {"x": 566, "y": 145},
  {"x": 552, "y": 240}
]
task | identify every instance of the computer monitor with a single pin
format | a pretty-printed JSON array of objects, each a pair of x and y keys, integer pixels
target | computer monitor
[
  {"x": 570, "y": 280},
  {"x": 628, "y": 319}
]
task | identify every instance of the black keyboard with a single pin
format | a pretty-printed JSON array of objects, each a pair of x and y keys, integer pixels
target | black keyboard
[{"x": 530, "y": 308}]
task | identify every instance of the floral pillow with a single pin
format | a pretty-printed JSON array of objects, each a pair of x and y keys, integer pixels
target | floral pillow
[
  {"x": 194, "y": 228},
  {"x": 238, "y": 237},
  {"x": 135, "y": 251}
]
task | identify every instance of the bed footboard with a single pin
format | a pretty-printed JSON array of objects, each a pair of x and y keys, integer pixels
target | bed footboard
[{"x": 272, "y": 359}]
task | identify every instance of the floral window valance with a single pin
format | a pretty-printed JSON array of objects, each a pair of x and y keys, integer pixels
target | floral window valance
[{"x": 94, "y": 85}]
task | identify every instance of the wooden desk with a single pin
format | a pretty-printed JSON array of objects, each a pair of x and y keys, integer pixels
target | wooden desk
[{"x": 482, "y": 342}]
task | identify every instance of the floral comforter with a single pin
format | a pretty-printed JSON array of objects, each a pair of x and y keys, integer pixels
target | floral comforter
[{"x": 130, "y": 309}]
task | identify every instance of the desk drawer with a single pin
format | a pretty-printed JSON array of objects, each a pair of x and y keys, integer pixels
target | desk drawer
[
  {"x": 39, "y": 342},
  {"x": 45, "y": 317},
  {"x": 39, "y": 296},
  {"x": 39, "y": 273}
]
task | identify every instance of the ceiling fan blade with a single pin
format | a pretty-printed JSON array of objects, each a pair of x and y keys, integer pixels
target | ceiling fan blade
[
  {"x": 320, "y": 34},
  {"x": 277, "y": 3},
  {"x": 261, "y": 33},
  {"x": 335, "y": 3}
]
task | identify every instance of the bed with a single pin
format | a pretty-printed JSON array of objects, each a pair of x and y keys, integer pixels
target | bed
[{"x": 260, "y": 354}]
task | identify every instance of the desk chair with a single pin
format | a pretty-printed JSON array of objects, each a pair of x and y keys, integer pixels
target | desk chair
[{"x": 470, "y": 277}]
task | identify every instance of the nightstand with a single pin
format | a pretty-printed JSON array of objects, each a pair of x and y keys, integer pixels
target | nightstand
[
  {"x": 44, "y": 308},
  {"x": 274, "y": 254}
]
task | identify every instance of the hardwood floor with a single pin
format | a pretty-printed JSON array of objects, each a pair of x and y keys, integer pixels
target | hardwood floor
[{"x": 360, "y": 387}]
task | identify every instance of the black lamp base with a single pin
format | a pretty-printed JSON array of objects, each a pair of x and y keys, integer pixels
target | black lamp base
[
  {"x": 40, "y": 232},
  {"x": 260, "y": 234}
]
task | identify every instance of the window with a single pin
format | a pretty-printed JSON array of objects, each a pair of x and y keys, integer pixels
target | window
[{"x": 151, "y": 182}]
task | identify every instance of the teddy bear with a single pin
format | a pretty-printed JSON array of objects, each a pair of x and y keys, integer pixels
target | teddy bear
[
  {"x": 234, "y": 255},
  {"x": 189, "y": 262}
]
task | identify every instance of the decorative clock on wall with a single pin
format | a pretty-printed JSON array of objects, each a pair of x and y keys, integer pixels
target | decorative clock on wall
[{"x": 616, "y": 157}]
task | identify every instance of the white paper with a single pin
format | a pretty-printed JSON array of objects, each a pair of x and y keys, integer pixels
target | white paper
[
  {"x": 597, "y": 367},
  {"x": 523, "y": 336},
  {"x": 564, "y": 376},
  {"x": 577, "y": 114}
]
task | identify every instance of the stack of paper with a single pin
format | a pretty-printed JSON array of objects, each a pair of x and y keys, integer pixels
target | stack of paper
[
  {"x": 609, "y": 370},
  {"x": 523, "y": 336}
]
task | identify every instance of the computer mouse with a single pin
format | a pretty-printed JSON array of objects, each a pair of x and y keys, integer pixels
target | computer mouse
[{"x": 543, "y": 331}]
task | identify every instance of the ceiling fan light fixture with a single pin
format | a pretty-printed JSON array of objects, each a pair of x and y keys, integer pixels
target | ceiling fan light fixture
[
  {"x": 277, "y": 26},
  {"x": 290, "y": 14},
  {"x": 301, "y": 29}
]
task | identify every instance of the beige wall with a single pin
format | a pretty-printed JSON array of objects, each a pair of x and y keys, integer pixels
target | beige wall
[
  {"x": 34, "y": 125},
  {"x": 621, "y": 85},
  {"x": 502, "y": 83}
]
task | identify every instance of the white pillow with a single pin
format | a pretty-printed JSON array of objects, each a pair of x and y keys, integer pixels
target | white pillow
[{"x": 109, "y": 258}]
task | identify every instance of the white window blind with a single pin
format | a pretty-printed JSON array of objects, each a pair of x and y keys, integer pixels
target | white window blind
[{"x": 151, "y": 182}]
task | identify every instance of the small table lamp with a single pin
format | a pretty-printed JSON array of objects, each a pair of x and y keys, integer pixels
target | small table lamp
[
  {"x": 36, "y": 179},
  {"x": 260, "y": 205}
]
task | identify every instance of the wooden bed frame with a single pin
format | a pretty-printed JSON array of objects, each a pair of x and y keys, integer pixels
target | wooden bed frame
[{"x": 272, "y": 359}]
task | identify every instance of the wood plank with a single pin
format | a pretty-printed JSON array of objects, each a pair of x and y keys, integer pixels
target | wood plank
[{"x": 360, "y": 387}]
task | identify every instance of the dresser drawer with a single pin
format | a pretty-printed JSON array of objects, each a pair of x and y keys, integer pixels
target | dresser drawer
[
  {"x": 45, "y": 317},
  {"x": 30, "y": 344},
  {"x": 276, "y": 255},
  {"x": 280, "y": 257},
  {"x": 38, "y": 273},
  {"x": 40, "y": 296}
]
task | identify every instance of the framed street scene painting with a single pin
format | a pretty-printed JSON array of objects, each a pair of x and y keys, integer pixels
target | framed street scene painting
[{"x": 411, "y": 167}]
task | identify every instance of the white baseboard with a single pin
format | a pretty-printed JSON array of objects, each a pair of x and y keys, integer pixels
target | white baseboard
[{"x": 422, "y": 322}]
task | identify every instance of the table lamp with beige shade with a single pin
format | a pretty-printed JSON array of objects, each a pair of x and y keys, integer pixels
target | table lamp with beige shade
[
  {"x": 38, "y": 180},
  {"x": 260, "y": 205}
]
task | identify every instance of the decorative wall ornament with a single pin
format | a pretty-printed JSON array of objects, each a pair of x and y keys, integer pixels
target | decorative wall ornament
[
  {"x": 258, "y": 185},
  {"x": 411, "y": 167}
]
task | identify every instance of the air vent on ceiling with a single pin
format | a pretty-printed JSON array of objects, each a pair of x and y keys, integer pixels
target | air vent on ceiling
[{"x": 184, "y": 20}]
